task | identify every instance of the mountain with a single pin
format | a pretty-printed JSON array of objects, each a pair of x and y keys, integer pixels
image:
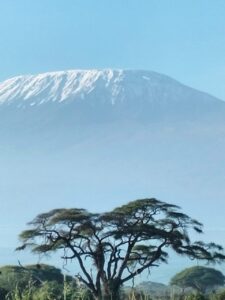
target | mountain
[
  {"x": 109, "y": 85},
  {"x": 99, "y": 138},
  {"x": 100, "y": 86},
  {"x": 100, "y": 93},
  {"x": 70, "y": 102}
]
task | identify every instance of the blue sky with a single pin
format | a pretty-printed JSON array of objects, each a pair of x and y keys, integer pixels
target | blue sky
[{"x": 183, "y": 39}]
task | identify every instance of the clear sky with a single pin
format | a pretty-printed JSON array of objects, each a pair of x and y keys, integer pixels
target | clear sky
[{"x": 184, "y": 39}]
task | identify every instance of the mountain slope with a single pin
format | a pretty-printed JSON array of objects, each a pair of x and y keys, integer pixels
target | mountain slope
[
  {"x": 100, "y": 86},
  {"x": 67, "y": 100}
]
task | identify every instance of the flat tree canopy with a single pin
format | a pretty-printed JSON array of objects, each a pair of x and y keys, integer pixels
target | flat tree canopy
[
  {"x": 199, "y": 278},
  {"x": 114, "y": 247}
]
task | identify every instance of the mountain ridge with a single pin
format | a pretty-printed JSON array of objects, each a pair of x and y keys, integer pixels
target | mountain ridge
[{"x": 115, "y": 86}]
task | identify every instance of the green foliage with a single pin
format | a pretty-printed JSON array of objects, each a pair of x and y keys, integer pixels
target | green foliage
[
  {"x": 19, "y": 276},
  {"x": 197, "y": 296},
  {"x": 13, "y": 276},
  {"x": 47, "y": 291},
  {"x": 136, "y": 295},
  {"x": 23, "y": 281},
  {"x": 45, "y": 272},
  {"x": 220, "y": 295},
  {"x": 199, "y": 278},
  {"x": 3, "y": 293},
  {"x": 50, "y": 290}
]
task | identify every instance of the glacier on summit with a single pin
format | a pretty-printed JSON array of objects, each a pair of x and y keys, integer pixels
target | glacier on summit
[{"x": 113, "y": 86}]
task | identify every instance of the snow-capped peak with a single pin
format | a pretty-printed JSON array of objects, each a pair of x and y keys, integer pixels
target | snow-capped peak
[
  {"x": 58, "y": 86},
  {"x": 108, "y": 85}
]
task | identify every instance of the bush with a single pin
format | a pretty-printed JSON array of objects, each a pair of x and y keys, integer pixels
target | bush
[
  {"x": 34, "y": 282},
  {"x": 198, "y": 296}
]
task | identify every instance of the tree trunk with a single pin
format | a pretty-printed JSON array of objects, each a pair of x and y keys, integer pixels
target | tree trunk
[
  {"x": 111, "y": 290},
  {"x": 112, "y": 295}
]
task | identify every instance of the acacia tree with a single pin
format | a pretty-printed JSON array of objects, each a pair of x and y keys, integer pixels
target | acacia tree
[
  {"x": 119, "y": 244},
  {"x": 199, "y": 278}
]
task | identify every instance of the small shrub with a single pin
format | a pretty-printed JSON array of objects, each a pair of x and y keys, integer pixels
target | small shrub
[{"x": 198, "y": 296}]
